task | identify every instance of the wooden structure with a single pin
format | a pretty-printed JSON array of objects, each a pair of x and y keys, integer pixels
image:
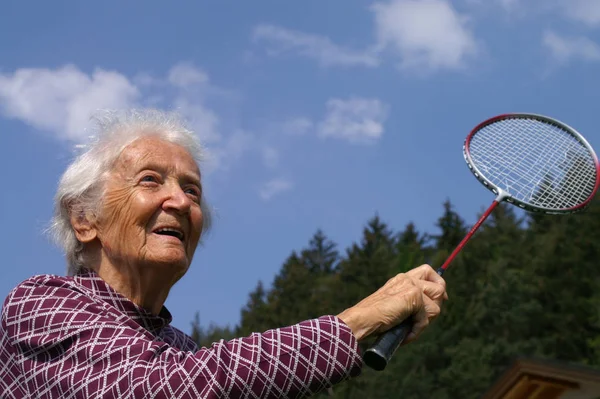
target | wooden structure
[{"x": 541, "y": 379}]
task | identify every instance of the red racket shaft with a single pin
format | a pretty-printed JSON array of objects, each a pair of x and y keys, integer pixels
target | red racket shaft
[{"x": 378, "y": 355}]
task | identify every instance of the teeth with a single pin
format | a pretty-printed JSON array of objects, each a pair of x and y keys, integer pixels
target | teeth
[{"x": 169, "y": 230}]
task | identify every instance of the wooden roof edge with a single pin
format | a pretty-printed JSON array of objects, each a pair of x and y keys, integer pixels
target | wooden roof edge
[
  {"x": 564, "y": 370},
  {"x": 544, "y": 368}
]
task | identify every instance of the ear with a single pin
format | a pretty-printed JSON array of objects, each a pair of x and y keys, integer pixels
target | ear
[{"x": 84, "y": 226}]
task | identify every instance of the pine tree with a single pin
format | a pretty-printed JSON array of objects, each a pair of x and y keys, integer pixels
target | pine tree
[
  {"x": 291, "y": 287},
  {"x": 196, "y": 333},
  {"x": 565, "y": 270},
  {"x": 255, "y": 316},
  {"x": 489, "y": 320},
  {"x": 410, "y": 250},
  {"x": 366, "y": 267},
  {"x": 321, "y": 258},
  {"x": 521, "y": 287},
  {"x": 452, "y": 228},
  {"x": 205, "y": 337}
]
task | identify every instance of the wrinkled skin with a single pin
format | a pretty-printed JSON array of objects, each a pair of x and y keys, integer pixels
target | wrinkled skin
[
  {"x": 156, "y": 184},
  {"x": 419, "y": 292},
  {"x": 153, "y": 184}
]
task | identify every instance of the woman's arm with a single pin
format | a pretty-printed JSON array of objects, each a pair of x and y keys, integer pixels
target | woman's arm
[{"x": 61, "y": 343}]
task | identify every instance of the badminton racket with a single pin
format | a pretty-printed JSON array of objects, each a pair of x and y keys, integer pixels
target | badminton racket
[{"x": 531, "y": 161}]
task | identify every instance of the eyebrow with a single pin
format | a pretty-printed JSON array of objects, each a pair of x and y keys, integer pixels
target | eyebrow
[
  {"x": 193, "y": 178},
  {"x": 188, "y": 177}
]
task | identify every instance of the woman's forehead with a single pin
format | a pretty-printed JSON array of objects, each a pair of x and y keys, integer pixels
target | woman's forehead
[{"x": 155, "y": 151}]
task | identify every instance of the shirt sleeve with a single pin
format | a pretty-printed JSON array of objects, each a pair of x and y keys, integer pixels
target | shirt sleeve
[{"x": 73, "y": 346}]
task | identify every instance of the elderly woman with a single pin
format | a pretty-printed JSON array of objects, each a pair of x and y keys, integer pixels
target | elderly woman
[{"x": 129, "y": 214}]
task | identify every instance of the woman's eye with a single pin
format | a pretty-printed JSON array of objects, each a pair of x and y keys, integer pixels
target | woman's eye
[
  {"x": 193, "y": 191},
  {"x": 149, "y": 178}
]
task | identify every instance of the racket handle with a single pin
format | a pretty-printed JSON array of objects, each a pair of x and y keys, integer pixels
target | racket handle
[{"x": 378, "y": 355}]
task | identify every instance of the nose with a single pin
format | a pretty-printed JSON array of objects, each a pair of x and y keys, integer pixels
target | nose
[{"x": 177, "y": 200}]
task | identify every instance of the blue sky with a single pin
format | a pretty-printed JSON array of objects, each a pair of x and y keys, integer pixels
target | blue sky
[{"x": 315, "y": 114}]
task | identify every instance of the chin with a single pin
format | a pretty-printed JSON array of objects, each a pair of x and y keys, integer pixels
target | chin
[{"x": 170, "y": 260}]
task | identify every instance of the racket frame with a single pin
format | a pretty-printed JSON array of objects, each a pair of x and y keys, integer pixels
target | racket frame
[
  {"x": 380, "y": 353},
  {"x": 505, "y": 196}
]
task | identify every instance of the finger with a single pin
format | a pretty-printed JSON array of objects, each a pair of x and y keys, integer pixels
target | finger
[
  {"x": 432, "y": 308},
  {"x": 434, "y": 291},
  {"x": 420, "y": 322},
  {"x": 423, "y": 318},
  {"x": 394, "y": 304},
  {"x": 427, "y": 273},
  {"x": 413, "y": 303},
  {"x": 399, "y": 284}
]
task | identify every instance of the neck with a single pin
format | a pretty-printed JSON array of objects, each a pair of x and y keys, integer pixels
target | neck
[{"x": 147, "y": 287}]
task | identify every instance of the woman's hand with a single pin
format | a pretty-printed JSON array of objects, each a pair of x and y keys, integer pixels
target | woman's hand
[{"x": 418, "y": 293}]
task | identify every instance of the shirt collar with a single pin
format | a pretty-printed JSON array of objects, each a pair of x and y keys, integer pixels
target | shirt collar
[{"x": 99, "y": 289}]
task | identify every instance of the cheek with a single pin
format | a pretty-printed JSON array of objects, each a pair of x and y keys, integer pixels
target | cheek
[
  {"x": 123, "y": 209},
  {"x": 197, "y": 221}
]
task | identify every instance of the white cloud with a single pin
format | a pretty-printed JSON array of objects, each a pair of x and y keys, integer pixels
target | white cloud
[
  {"x": 508, "y": 3},
  {"x": 144, "y": 79},
  {"x": 357, "y": 120},
  {"x": 230, "y": 150},
  {"x": 270, "y": 156},
  {"x": 563, "y": 49},
  {"x": 201, "y": 119},
  {"x": 62, "y": 100},
  {"x": 320, "y": 48},
  {"x": 274, "y": 187},
  {"x": 184, "y": 75},
  {"x": 513, "y": 8},
  {"x": 424, "y": 33},
  {"x": 297, "y": 126},
  {"x": 586, "y": 11}
]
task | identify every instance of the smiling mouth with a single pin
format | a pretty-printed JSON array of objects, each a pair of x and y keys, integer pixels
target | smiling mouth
[{"x": 170, "y": 232}]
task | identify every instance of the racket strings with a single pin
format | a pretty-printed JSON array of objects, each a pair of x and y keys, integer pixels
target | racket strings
[
  {"x": 578, "y": 181},
  {"x": 522, "y": 173},
  {"x": 512, "y": 166},
  {"x": 536, "y": 162}
]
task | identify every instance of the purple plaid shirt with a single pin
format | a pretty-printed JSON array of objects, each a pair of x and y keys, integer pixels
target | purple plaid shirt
[{"x": 75, "y": 337}]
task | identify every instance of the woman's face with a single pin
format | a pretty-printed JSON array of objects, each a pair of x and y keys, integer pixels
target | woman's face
[{"x": 151, "y": 214}]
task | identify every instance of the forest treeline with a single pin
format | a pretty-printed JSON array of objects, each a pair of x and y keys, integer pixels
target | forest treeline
[{"x": 526, "y": 285}]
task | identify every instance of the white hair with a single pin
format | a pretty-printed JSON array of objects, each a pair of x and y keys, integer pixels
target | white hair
[{"x": 81, "y": 187}]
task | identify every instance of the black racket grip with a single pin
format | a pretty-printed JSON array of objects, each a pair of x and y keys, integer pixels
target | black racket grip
[{"x": 378, "y": 355}]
